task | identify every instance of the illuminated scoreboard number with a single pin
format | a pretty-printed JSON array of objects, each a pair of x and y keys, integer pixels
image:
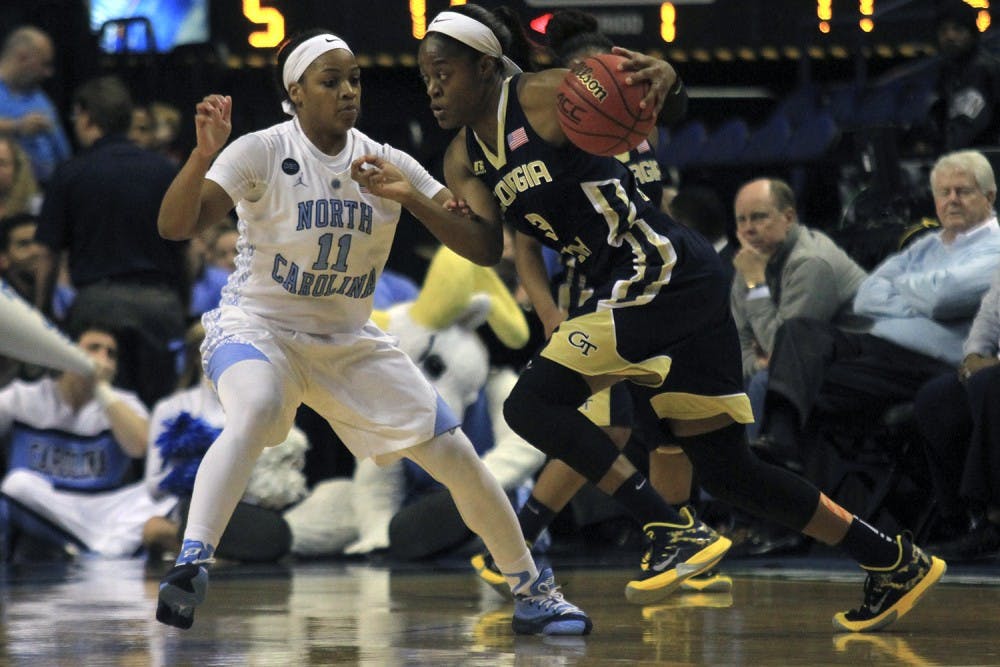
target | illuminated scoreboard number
[
  {"x": 272, "y": 20},
  {"x": 866, "y": 12}
]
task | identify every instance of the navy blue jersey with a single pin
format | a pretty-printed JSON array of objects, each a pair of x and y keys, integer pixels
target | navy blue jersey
[
  {"x": 588, "y": 208},
  {"x": 645, "y": 168}
]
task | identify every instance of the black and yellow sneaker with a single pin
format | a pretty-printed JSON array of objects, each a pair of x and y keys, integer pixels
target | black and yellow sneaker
[
  {"x": 711, "y": 581},
  {"x": 488, "y": 571},
  {"x": 676, "y": 552},
  {"x": 892, "y": 592}
]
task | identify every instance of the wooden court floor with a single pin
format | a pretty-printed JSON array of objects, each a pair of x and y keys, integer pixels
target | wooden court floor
[{"x": 100, "y": 612}]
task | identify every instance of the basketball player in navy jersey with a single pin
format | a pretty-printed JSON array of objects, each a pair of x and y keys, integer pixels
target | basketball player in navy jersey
[
  {"x": 572, "y": 36},
  {"x": 658, "y": 317},
  {"x": 293, "y": 325}
]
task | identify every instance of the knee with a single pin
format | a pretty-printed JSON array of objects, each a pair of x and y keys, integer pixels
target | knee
[
  {"x": 721, "y": 481},
  {"x": 261, "y": 419},
  {"x": 517, "y": 407},
  {"x": 985, "y": 383}
]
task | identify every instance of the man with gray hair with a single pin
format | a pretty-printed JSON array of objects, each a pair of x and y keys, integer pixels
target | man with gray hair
[
  {"x": 26, "y": 112},
  {"x": 920, "y": 302}
]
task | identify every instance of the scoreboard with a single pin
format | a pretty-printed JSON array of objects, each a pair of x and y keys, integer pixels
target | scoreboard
[{"x": 388, "y": 31}]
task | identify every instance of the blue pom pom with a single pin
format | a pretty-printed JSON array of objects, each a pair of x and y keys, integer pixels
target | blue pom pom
[{"x": 182, "y": 444}]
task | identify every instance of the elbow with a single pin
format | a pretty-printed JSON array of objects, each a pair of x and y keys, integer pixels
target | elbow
[
  {"x": 169, "y": 232},
  {"x": 483, "y": 254},
  {"x": 489, "y": 257}
]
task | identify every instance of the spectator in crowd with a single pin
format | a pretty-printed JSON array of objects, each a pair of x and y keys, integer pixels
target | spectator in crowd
[
  {"x": 142, "y": 131},
  {"x": 783, "y": 269},
  {"x": 18, "y": 256},
  {"x": 73, "y": 440},
  {"x": 700, "y": 208},
  {"x": 100, "y": 208},
  {"x": 958, "y": 418},
  {"x": 19, "y": 192},
  {"x": 216, "y": 261},
  {"x": 26, "y": 112},
  {"x": 968, "y": 87},
  {"x": 920, "y": 301},
  {"x": 166, "y": 129},
  {"x": 19, "y": 253}
]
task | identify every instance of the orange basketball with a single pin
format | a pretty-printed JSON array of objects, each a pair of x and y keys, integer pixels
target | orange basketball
[{"x": 598, "y": 111}]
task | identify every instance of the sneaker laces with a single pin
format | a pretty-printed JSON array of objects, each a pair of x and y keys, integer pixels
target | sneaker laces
[{"x": 549, "y": 598}]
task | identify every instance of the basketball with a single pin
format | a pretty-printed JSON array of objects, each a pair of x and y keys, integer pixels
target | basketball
[{"x": 598, "y": 111}]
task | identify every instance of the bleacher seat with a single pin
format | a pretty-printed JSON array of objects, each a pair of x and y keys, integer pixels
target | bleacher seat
[
  {"x": 841, "y": 101},
  {"x": 813, "y": 139},
  {"x": 686, "y": 144},
  {"x": 800, "y": 105},
  {"x": 726, "y": 144},
  {"x": 878, "y": 106},
  {"x": 768, "y": 142}
]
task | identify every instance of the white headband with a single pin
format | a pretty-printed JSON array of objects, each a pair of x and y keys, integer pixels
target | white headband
[
  {"x": 474, "y": 34},
  {"x": 302, "y": 56}
]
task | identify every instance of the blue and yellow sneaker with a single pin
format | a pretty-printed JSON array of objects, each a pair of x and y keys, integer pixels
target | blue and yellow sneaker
[
  {"x": 676, "y": 552},
  {"x": 487, "y": 570},
  {"x": 891, "y": 593},
  {"x": 544, "y": 611},
  {"x": 183, "y": 587}
]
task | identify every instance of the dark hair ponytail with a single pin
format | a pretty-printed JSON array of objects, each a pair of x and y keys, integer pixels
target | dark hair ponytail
[{"x": 571, "y": 31}]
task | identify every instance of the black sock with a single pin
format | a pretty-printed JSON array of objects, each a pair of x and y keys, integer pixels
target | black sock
[
  {"x": 872, "y": 548},
  {"x": 534, "y": 517},
  {"x": 637, "y": 496}
]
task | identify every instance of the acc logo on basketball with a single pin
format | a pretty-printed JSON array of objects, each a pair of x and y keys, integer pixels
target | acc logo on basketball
[
  {"x": 581, "y": 340},
  {"x": 289, "y": 166},
  {"x": 568, "y": 109}
]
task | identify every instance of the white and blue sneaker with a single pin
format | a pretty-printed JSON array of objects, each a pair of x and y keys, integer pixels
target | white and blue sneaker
[
  {"x": 544, "y": 611},
  {"x": 183, "y": 587}
]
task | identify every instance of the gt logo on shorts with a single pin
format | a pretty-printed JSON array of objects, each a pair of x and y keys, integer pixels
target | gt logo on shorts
[{"x": 581, "y": 340}]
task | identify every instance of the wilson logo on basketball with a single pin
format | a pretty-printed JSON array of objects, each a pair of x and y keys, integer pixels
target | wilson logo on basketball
[{"x": 585, "y": 75}]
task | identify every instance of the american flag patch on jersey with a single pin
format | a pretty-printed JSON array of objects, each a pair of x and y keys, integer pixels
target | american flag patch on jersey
[
  {"x": 518, "y": 137},
  {"x": 644, "y": 147}
]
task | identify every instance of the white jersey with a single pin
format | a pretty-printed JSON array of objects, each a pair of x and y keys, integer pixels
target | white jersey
[
  {"x": 108, "y": 522},
  {"x": 75, "y": 449},
  {"x": 39, "y": 405},
  {"x": 313, "y": 242}
]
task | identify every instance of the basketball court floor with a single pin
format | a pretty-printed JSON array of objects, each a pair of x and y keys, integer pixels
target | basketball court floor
[{"x": 100, "y": 612}]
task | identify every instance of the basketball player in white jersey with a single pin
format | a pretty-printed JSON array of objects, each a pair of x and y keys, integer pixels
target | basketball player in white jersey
[{"x": 293, "y": 324}]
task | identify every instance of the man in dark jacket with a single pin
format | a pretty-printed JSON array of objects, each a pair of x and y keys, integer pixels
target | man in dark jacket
[
  {"x": 101, "y": 209},
  {"x": 968, "y": 87}
]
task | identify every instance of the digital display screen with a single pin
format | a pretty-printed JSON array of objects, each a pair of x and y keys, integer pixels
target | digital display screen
[{"x": 173, "y": 22}]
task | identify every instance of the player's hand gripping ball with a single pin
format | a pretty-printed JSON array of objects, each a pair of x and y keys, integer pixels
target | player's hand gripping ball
[{"x": 598, "y": 111}]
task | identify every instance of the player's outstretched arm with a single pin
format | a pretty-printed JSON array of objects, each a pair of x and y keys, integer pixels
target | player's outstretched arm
[
  {"x": 474, "y": 237},
  {"x": 192, "y": 203}
]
